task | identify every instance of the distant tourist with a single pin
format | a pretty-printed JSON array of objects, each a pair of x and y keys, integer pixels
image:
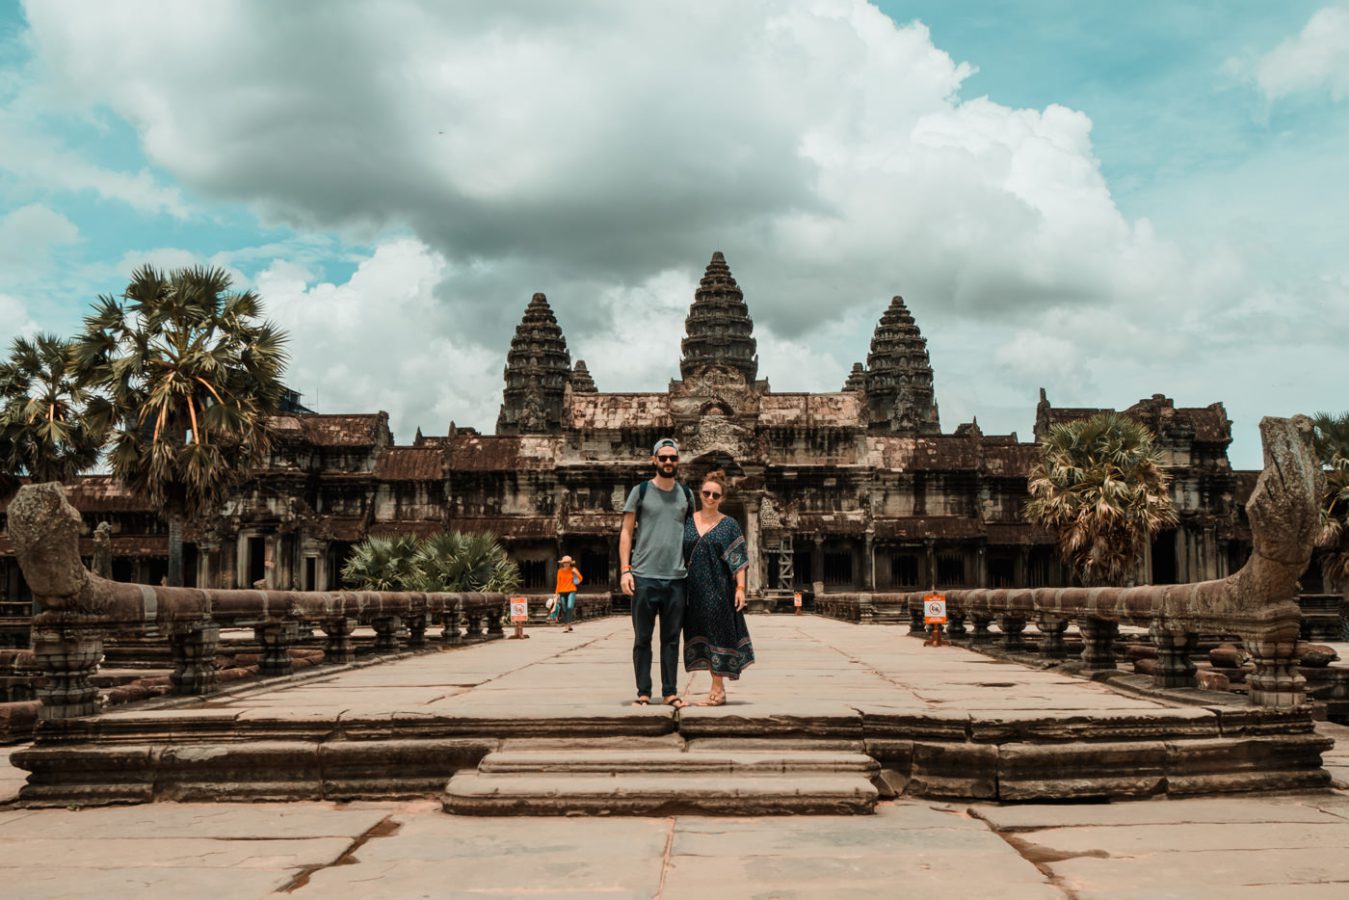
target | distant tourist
[
  {"x": 716, "y": 637},
  {"x": 653, "y": 570},
  {"x": 568, "y": 579}
]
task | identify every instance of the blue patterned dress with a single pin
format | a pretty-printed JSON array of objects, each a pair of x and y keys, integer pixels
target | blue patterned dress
[{"x": 715, "y": 635}]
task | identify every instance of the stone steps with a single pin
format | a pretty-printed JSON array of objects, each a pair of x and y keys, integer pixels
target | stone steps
[{"x": 622, "y": 780}]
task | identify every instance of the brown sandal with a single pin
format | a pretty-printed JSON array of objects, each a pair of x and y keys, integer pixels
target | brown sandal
[
  {"x": 676, "y": 701},
  {"x": 714, "y": 699}
]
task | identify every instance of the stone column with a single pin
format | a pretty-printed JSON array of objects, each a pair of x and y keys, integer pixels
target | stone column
[
  {"x": 817, "y": 561},
  {"x": 753, "y": 548},
  {"x": 1276, "y": 680},
  {"x": 275, "y": 638},
  {"x": 387, "y": 633},
  {"x": 1098, "y": 643},
  {"x": 869, "y": 561},
  {"x": 1174, "y": 667},
  {"x": 981, "y": 564},
  {"x": 472, "y": 624},
  {"x": 955, "y": 626},
  {"x": 194, "y": 647},
  {"x": 1012, "y": 628},
  {"x": 494, "y": 627},
  {"x": 930, "y": 559},
  {"x": 1052, "y": 646},
  {"x": 68, "y": 657},
  {"x": 339, "y": 648}
]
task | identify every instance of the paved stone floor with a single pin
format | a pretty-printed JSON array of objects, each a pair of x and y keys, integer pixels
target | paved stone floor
[{"x": 1265, "y": 846}]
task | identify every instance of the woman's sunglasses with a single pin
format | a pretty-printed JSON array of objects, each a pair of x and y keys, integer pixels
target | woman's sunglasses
[{"x": 710, "y": 495}]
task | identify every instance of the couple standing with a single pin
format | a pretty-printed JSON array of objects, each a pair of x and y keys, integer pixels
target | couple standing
[{"x": 685, "y": 566}]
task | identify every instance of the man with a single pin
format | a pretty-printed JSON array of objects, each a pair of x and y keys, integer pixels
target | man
[{"x": 653, "y": 570}]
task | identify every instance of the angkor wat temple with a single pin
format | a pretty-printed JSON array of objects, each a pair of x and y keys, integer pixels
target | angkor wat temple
[{"x": 856, "y": 490}]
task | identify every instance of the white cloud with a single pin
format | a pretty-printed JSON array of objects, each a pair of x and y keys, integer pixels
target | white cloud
[
  {"x": 382, "y": 341},
  {"x": 30, "y": 234},
  {"x": 14, "y": 321},
  {"x": 599, "y": 152},
  {"x": 1316, "y": 59}
]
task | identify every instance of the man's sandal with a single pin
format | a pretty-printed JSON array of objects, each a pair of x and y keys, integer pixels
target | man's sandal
[
  {"x": 676, "y": 701},
  {"x": 642, "y": 701}
]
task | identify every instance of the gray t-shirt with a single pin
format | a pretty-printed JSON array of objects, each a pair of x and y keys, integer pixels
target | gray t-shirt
[{"x": 658, "y": 544}]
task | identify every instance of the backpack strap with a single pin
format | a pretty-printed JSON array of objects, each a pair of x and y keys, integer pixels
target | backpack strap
[{"x": 641, "y": 498}]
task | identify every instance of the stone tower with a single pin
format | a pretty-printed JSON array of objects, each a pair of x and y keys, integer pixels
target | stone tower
[
  {"x": 718, "y": 330},
  {"x": 899, "y": 376},
  {"x": 538, "y": 368},
  {"x": 581, "y": 382},
  {"x": 857, "y": 379}
]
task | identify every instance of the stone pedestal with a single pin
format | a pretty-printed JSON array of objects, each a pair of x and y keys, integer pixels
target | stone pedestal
[
  {"x": 68, "y": 658},
  {"x": 388, "y": 631},
  {"x": 194, "y": 648},
  {"x": 981, "y": 633},
  {"x": 916, "y": 624},
  {"x": 1276, "y": 680},
  {"x": 1174, "y": 667},
  {"x": 451, "y": 629},
  {"x": 1012, "y": 628},
  {"x": 417, "y": 631},
  {"x": 1051, "y": 645},
  {"x": 339, "y": 648},
  {"x": 494, "y": 626},
  {"x": 275, "y": 639},
  {"x": 1098, "y": 643},
  {"x": 955, "y": 627},
  {"x": 473, "y": 625}
]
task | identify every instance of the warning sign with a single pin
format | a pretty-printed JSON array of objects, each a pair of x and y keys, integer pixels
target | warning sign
[
  {"x": 796, "y": 599},
  {"x": 519, "y": 609},
  {"x": 934, "y": 609}
]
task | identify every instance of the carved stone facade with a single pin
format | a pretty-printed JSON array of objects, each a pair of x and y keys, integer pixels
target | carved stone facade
[{"x": 852, "y": 491}]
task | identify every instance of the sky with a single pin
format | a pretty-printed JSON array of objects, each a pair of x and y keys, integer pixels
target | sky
[{"x": 1105, "y": 200}]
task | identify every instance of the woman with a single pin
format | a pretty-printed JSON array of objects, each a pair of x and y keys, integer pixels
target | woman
[
  {"x": 715, "y": 635},
  {"x": 568, "y": 579}
]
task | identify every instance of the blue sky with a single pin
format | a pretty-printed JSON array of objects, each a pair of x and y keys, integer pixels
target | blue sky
[{"x": 1107, "y": 200}]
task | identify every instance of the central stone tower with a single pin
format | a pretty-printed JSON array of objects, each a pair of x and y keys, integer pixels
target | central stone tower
[
  {"x": 718, "y": 330},
  {"x": 538, "y": 369},
  {"x": 899, "y": 376}
]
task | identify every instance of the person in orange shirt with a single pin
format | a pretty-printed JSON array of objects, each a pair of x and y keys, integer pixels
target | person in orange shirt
[{"x": 568, "y": 578}]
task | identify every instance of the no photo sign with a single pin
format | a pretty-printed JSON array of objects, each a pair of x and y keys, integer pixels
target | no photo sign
[{"x": 934, "y": 609}]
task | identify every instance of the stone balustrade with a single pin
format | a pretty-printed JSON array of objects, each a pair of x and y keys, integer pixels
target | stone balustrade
[{"x": 80, "y": 608}]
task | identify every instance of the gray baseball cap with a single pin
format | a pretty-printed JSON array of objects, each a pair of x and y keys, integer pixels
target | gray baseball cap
[{"x": 664, "y": 442}]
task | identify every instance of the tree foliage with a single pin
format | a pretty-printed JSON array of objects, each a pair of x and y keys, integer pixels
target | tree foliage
[
  {"x": 452, "y": 561},
  {"x": 183, "y": 373},
  {"x": 44, "y": 431},
  {"x": 1100, "y": 486},
  {"x": 1331, "y": 437}
]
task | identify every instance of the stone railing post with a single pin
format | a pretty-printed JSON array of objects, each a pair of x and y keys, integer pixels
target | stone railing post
[
  {"x": 1012, "y": 628},
  {"x": 338, "y": 646},
  {"x": 916, "y": 623},
  {"x": 1174, "y": 666},
  {"x": 1052, "y": 628},
  {"x": 955, "y": 627},
  {"x": 981, "y": 633},
  {"x": 1276, "y": 680},
  {"x": 473, "y": 623},
  {"x": 451, "y": 631},
  {"x": 1098, "y": 643},
  {"x": 387, "y": 633},
  {"x": 275, "y": 639},
  {"x": 68, "y": 656},
  {"x": 495, "y": 628},
  {"x": 194, "y": 647},
  {"x": 417, "y": 631}
]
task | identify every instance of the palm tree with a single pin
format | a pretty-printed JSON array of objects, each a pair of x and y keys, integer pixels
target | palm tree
[
  {"x": 466, "y": 562},
  {"x": 451, "y": 561},
  {"x": 44, "y": 432},
  {"x": 1101, "y": 487},
  {"x": 383, "y": 564},
  {"x": 184, "y": 374}
]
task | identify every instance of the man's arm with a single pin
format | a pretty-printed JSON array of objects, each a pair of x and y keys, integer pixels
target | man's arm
[{"x": 625, "y": 581}]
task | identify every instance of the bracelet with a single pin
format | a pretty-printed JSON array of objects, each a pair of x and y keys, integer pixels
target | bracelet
[
  {"x": 739, "y": 589},
  {"x": 627, "y": 568}
]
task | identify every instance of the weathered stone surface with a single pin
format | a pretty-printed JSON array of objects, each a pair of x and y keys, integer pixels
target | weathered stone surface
[
  {"x": 1081, "y": 771},
  {"x": 1316, "y": 655},
  {"x": 968, "y": 771},
  {"x": 1212, "y": 680}
]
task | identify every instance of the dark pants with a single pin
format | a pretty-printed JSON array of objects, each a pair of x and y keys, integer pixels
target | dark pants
[{"x": 657, "y": 597}]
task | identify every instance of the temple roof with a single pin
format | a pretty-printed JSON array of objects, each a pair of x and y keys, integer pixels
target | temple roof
[
  {"x": 410, "y": 464},
  {"x": 334, "y": 429},
  {"x": 538, "y": 369},
  {"x": 718, "y": 330}
]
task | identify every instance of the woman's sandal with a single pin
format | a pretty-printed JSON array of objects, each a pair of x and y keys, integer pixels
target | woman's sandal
[
  {"x": 714, "y": 699},
  {"x": 676, "y": 701}
]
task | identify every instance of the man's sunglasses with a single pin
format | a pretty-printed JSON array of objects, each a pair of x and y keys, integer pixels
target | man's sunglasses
[
  {"x": 674, "y": 458},
  {"x": 710, "y": 495}
]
